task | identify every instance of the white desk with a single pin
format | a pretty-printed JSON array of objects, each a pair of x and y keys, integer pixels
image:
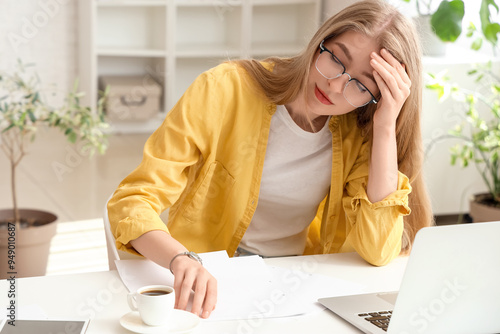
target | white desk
[{"x": 102, "y": 296}]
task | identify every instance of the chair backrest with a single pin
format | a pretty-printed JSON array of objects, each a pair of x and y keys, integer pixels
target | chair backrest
[{"x": 113, "y": 252}]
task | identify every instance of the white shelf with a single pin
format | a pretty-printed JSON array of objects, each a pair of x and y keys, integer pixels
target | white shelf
[
  {"x": 194, "y": 23},
  {"x": 206, "y": 51},
  {"x": 131, "y": 28},
  {"x": 174, "y": 41},
  {"x": 295, "y": 25},
  {"x": 131, "y": 3},
  {"x": 131, "y": 66},
  {"x": 279, "y": 49},
  {"x": 122, "y": 52},
  {"x": 208, "y": 3},
  {"x": 281, "y": 2},
  {"x": 147, "y": 126}
]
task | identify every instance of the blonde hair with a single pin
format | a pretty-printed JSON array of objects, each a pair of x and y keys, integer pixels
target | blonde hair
[{"x": 392, "y": 31}]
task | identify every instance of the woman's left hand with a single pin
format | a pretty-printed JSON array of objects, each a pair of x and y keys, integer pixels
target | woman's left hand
[{"x": 394, "y": 84}]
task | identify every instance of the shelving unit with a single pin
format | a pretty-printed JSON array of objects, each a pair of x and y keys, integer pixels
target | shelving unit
[{"x": 173, "y": 41}]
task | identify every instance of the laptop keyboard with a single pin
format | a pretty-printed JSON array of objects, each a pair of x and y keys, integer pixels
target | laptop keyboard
[{"x": 380, "y": 319}]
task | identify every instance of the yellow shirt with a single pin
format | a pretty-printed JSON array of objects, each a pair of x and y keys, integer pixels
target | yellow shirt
[{"x": 205, "y": 163}]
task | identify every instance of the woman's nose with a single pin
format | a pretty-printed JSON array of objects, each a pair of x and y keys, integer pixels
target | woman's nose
[{"x": 337, "y": 84}]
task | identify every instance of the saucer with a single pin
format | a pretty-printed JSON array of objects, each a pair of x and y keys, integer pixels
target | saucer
[{"x": 180, "y": 322}]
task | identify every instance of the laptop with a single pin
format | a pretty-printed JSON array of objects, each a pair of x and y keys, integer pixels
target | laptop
[{"x": 451, "y": 285}]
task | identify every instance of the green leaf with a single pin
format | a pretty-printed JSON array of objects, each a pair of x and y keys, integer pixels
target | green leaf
[
  {"x": 489, "y": 29},
  {"x": 8, "y": 128},
  {"x": 447, "y": 20},
  {"x": 477, "y": 44},
  {"x": 36, "y": 98},
  {"x": 32, "y": 116},
  {"x": 471, "y": 29},
  {"x": 494, "y": 157},
  {"x": 490, "y": 32},
  {"x": 72, "y": 137},
  {"x": 22, "y": 118}
]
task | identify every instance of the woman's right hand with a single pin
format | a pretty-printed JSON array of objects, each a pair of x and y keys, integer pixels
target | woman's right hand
[{"x": 191, "y": 275}]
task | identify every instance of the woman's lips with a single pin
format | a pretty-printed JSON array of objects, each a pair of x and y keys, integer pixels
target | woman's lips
[{"x": 322, "y": 96}]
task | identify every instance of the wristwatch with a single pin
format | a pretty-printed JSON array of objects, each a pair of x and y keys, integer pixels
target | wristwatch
[{"x": 191, "y": 255}]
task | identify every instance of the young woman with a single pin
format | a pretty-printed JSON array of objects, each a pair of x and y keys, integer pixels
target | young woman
[{"x": 318, "y": 153}]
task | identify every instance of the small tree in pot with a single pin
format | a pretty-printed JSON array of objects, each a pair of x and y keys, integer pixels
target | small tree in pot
[{"x": 23, "y": 112}]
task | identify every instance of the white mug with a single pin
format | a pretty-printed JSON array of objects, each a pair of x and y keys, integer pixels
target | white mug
[{"x": 154, "y": 303}]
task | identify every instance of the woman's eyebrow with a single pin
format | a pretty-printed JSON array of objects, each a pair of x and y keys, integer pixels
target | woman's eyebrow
[{"x": 345, "y": 49}]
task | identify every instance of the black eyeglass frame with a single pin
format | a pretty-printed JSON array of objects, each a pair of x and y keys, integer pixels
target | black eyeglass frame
[{"x": 322, "y": 49}]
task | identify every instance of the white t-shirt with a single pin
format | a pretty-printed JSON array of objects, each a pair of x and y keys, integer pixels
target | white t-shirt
[{"x": 295, "y": 179}]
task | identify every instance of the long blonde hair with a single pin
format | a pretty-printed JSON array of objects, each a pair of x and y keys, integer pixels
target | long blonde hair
[{"x": 392, "y": 31}]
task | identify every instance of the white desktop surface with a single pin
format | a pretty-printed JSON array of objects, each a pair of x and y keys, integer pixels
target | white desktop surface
[{"x": 102, "y": 296}]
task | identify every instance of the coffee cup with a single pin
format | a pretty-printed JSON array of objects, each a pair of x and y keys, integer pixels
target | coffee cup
[{"x": 155, "y": 303}]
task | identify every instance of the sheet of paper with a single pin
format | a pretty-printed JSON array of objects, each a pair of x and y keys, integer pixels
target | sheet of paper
[
  {"x": 137, "y": 273},
  {"x": 301, "y": 290},
  {"x": 247, "y": 287}
]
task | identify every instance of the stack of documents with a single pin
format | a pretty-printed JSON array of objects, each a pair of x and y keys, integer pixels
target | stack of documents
[{"x": 247, "y": 286}]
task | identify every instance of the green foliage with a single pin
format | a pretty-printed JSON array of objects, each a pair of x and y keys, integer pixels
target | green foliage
[
  {"x": 479, "y": 133},
  {"x": 490, "y": 29},
  {"x": 446, "y": 20},
  {"x": 23, "y": 111}
]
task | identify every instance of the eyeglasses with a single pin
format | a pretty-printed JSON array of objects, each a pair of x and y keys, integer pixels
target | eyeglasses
[{"x": 329, "y": 66}]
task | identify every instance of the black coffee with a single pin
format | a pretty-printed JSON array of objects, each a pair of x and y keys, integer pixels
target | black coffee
[{"x": 155, "y": 292}]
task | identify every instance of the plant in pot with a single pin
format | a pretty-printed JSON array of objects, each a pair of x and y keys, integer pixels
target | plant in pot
[
  {"x": 479, "y": 132},
  {"x": 478, "y": 135},
  {"x": 25, "y": 234}
]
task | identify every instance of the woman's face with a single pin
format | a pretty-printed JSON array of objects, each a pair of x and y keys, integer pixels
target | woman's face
[{"x": 326, "y": 96}]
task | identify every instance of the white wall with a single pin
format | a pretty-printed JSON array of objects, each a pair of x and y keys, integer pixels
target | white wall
[{"x": 42, "y": 32}]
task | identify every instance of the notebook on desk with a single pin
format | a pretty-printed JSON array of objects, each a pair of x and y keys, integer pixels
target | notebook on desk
[{"x": 451, "y": 285}]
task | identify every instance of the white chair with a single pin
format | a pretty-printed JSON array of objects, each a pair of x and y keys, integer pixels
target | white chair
[{"x": 113, "y": 252}]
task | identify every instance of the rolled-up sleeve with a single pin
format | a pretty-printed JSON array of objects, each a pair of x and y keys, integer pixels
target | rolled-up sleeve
[{"x": 375, "y": 230}]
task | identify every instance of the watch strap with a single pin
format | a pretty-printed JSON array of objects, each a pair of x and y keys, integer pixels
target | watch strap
[{"x": 191, "y": 255}]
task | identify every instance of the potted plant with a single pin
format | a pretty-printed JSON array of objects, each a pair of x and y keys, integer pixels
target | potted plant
[
  {"x": 479, "y": 132},
  {"x": 25, "y": 234}
]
